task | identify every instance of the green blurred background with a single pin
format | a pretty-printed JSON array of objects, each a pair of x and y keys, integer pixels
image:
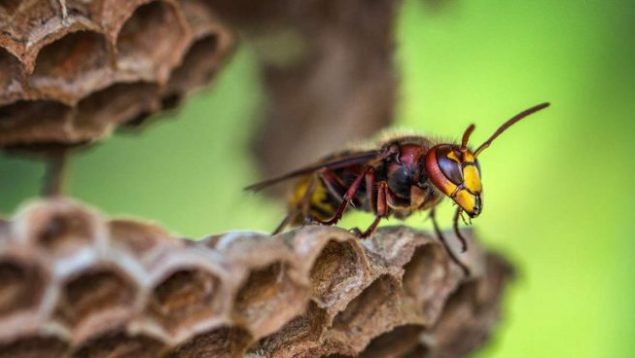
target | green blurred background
[{"x": 559, "y": 187}]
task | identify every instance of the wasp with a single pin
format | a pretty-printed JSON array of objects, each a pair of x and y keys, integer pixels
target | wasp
[{"x": 398, "y": 177}]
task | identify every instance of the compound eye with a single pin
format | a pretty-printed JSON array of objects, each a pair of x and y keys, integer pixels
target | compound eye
[{"x": 450, "y": 167}]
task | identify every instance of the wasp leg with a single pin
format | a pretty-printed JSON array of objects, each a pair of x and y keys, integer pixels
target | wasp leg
[
  {"x": 305, "y": 203},
  {"x": 348, "y": 197},
  {"x": 381, "y": 211},
  {"x": 366, "y": 233},
  {"x": 370, "y": 189},
  {"x": 302, "y": 206},
  {"x": 283, "y": 224},
  {"x": 466, "y": 271},
  {"x": 333, "y": 183},
  {"x": 458, "y": 232}
]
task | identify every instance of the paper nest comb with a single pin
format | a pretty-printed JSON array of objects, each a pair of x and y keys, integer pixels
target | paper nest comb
[
  {"x": 75, "y": 284},
  {"x": 71, "y": 71}
]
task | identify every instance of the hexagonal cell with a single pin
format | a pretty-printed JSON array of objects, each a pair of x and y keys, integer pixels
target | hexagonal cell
[
  {"x": 224, "y": 342},
  {"x": 137, "y": 44},
  {"x": 240, "y": 244},
  {"x": 22, "y": 286},
  {"x": 370, "y": 313},
  {"x": 396, "y": 343},
  {"x": 335, "y": 271},
  {"x": 72, "y": 66},
  {"x": 184, "y": 297},
  {"x": 139, "y": 239},
  {"x": 198, "y": 15},
  {"x": 425, "y": 277},
  {"x": 119, "y": 103},
  {"x": 31, "y": 347},
  {"x": 120, "y": 344},
  {"x": 91, "y": 294},
  {"x": 28, "y": 122},
  {"x": 302, "y": 333},
  {"x": 60, "y": 228},
  {"x": 268, "y": 299},
  {"x": 205, "y": 23},
  {"x": 196, "y": 70},
  {"x": 10, "y": 77}
]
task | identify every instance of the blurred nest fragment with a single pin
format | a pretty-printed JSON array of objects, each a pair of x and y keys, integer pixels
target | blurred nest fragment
[
  {"x": 328, "y": 70},
  {"x": 73, "y": 283},
  {"x": 72, "y": 71}
]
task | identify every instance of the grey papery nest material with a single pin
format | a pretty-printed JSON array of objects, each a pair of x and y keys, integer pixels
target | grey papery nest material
[
  {"x": 74, "y": 283},
  {"x": 72, "y": 71},
  {"x": 328, "y": 70}
]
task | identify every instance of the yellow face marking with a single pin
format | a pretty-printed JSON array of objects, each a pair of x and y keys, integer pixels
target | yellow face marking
[
  {"x": 468, "y": 157},
  {"x": 472, "y": 179},
  {"x": 466, "y": 200},
  {"x": 452, "y": 156}
]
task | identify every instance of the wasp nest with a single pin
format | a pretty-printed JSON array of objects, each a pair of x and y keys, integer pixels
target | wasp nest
[
  {"x": 326, "y": 64},
  {"x": 73, "y": 70},
  {"x": 73, "y": 283}
]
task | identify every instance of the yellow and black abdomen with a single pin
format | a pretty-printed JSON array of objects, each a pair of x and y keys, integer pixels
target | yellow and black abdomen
[
  {"x": 319, "y": 194},
  {"x": 311, "y": 198}
]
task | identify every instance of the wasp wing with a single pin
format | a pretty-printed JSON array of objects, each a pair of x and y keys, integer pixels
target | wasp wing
[{"x": 346, "y": 160}]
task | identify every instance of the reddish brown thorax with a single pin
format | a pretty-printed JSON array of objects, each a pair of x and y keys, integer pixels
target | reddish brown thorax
[{"x": 405, "y": 171}]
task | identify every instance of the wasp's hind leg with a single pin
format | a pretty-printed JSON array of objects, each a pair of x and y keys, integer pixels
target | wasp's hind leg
[
  {"x": 302, "y": 206},
  {"x": 381, "y": 207},
  {"x": 437, "y": 230},
  {"x": 348, "y": 197},
  {"x": 284, "y": 223}
]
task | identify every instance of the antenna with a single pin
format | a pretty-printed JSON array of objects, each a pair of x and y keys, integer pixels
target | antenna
[
  {"x": 508, "y": 124},
  {"x": 466, "y": 136}
]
